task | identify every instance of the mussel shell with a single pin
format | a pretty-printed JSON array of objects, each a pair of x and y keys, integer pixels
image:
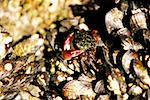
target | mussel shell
[
  {"x": 73, "y": 89},
  {"x": 99, "y": 87},
  {"x": 126, "y": 60}
]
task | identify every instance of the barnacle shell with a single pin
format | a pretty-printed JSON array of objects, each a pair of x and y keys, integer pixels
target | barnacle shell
[
  {"x": 114, "y": 55},
  {"x": 29, "y": 46},
  {"x": 135, "y": 90},
  {"x": 129, "y": 44},
  {"x": 75, "y": 88},
  {"x": 138, "y": 20},
  {"x": 2, "y": 50},
  {"x": 123, "y": 32},
  {"x": 114, "y": 85},
  {"x": 116, "y": 1},
  {"x": 113, "y": 19}
]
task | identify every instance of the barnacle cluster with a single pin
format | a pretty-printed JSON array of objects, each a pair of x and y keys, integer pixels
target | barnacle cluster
[{"x": 74, "y": 50}]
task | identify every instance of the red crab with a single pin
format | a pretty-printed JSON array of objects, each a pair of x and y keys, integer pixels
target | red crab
[{"x": 78, "y": 42}]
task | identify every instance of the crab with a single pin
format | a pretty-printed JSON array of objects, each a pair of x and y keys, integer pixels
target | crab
[{"x": 79, "y": 42}]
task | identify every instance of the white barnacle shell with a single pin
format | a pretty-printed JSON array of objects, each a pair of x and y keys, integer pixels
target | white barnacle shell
[
  {"x": 129, "y": 44},
  {"x": 117, "y": 82},
  {"x": 113, "y": 20},
  {"x": 123, "y": 32},
  {"x": 74, "y": 89},
  {"x": 126, "y": 60},
  {"x": 114, "y": 85},
  {"x": 135, "y": 90},
  {"x": 138, "y": 20}
]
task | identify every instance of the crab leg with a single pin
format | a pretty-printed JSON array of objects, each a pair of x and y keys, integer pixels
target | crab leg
[
  {"x": 68, "y": 42},
  {"x": 67, "y": 55}
]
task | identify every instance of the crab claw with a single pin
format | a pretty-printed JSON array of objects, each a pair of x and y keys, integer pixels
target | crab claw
[
  {"x": 68, "y": 42},
  {"x": 67, "y": 55}
]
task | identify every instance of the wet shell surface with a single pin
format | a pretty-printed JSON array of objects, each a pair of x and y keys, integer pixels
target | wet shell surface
[
  {"x": 135, "y": 90},
  {"x": 113, "y": 20},
  {"x": 138, "y": 20},
  {"x": 117, "y": 82},
  {"x": 130, "y": 44},
  {"x": 126, "y": 60},
  {"x": 74, "y": 89}
]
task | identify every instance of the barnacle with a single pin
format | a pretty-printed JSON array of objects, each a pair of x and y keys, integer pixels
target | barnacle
[
  {"x": 135, "y": 90},
  {"x": 113, "y": 20},
  {"x": 130, "y": 44},
  {"x": 117, "y": 82},
  {"x": 138, "y": 19}
]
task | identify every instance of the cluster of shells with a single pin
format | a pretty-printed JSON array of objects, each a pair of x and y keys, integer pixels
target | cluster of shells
[
  {"x": 131, "y": 75},
  {"x": 32, "y": 39}
]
